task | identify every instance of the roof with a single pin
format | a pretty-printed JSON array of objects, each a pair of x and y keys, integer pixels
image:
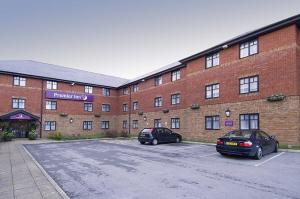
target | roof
[
  {"x": 8, "y": 115},
  {"x": 55, "y": 72},
  {"x": 246, "y": 36}
]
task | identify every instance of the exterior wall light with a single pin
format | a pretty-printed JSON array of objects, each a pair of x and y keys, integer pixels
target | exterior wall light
[
  {"x": 227, "y": 113},
  {"x": 71, "y": 120},
  {"x": 145, "y": 118}
]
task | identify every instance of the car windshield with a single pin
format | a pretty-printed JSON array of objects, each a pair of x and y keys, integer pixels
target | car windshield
[
  {"x": 147, "y": 131},
  {"x": 240, "y": 134}
]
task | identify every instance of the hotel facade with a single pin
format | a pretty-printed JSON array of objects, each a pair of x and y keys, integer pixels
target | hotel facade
[{"x": 249, "y": 82}]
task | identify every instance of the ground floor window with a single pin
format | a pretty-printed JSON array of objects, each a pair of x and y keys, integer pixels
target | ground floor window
[
  {"x": 87, "y": 125},
  {"x": 249, "y": 121},
  {"x": 157, "y": 123},
  {"x": 212, "y": 122},
  {"x": 125, "y": 124},
  {"x": 135, "y": 124},
  {"x": 50, "y": 126},
  {"x": 105, "y": 124},
  {"x": 175, "y": 123}
]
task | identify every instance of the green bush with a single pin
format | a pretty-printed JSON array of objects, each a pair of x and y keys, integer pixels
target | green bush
[
  {"x": 111, "y": 134},
  {"x": 55, "y": 136},
  {"x": 32, "y": 135},
  {"x": 8, "y": 136}
]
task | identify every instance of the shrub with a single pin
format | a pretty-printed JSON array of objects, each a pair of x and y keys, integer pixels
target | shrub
[
  {"x": 55, "y": 136},
  {"x": 111, "y": 134},
  {"x": 8, "y": 136},
  {"x": 32, "y": 135},
  {"x": 124, "y": 134}
]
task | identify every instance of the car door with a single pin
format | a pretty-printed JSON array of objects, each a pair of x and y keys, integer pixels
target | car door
[
  {"x": 266, "y": 142},
  {"x": 161, "y": 135},
  {"x": 170, "y": 136}
]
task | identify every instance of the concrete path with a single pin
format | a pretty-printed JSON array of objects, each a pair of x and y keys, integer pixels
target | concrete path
[{"x": 20, "y": 178}]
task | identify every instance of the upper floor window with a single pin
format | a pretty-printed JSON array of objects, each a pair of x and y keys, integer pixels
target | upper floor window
[
  {"x": 175, "y": 75},
  {"x": 125, "y": 91},
  {"x": 158, "y": 81},
  {"x": 105, "y": 125},
  {"x": 125, "y": 124},
  {"x": 19, "y": 81},
  {"x": 88, "y": 89},
  {"x": 175, "y": 123},
  {"x": 212, "y": 91},
  {"x": 249, "y": 121},
  {"x": 135, "y": 124},
  {"x": 212, "y": 122},
  {"x": 51, "y": 105},
  {"x": 175, "y": 99},
  {"x": 106, "y": 92},
  {"x": 157, "y": 123},
  {"x": 51, "y": 85},
  {"x": 125, "y": 107},
  {"x": 50, "y": 126},
  {"x": 135, "y": 106},
  {"x": 105, "y": 107},
  {"x": 158, "y": 102},
  {"x": 212, "y": 60},
  {"x": 249, "y": 84},
  {"x": 88, "y": 107},
  {"x": 135, "y": 88},
  {"x": 248, "y": 48},
  {"x": 87, "y": 125},
  {"x": 18, "y": 103}
]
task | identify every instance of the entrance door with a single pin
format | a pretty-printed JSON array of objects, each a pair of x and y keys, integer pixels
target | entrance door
[{"x": 19, "y": 129}]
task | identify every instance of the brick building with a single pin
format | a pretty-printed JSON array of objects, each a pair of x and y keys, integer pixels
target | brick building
[{"x": 248, "y": 82}]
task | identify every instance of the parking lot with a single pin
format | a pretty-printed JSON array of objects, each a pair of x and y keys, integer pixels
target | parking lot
[{"x": 125, "y": 169}]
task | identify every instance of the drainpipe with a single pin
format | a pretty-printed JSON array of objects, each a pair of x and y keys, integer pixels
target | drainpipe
[
  {"x": 129, "y": 114},
  {"x": 42, "y": 106}
]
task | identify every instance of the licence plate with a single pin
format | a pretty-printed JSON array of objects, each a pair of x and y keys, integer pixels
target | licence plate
[{"x": 231, "y": 143}]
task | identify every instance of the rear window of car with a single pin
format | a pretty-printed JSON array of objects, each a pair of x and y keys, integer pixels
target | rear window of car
[
  {"x": 239, "y": 134},
  {"x": 146, "y": 130}
]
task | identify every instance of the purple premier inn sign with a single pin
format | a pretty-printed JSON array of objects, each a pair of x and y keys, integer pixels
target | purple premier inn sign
[
  {"x": 20, "y": 116},
  {"x": 69, "y": 96}
]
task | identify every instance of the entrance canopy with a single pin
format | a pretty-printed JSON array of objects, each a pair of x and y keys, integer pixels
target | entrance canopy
[{"x": 19, "y": 115}]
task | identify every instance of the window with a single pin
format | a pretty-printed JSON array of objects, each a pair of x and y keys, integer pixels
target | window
[
  {"x": 175, "y": 75},
  {"x": 19, "y": 81},
  {"x": 158, "y": 81},
  {"x": 248, "y": 48},
  {"x": 51, "y": 85},
  {"x": 51, "y": 105},
  {"x": 175, "y": 123},
  {"x": 87, "y": 125},
  {"x": 135, "y": 106},
  {"x": 249, "y": 84},
  {"x": 135, "y": 124},
  {"x": 88, "y": 89},
  {"x": 88, "y": 107},
  {"x": 212, "y": 60},
  {"x": 18, "y": 103},
  {"x": 212, "y": 91},
  {"x": 135, "y": 88},
  {"x": 249, "y": 121},
  {"x": 158, "y": 102},
  {"x": 125, "y": 124},
  {"x": 106, "y": 92},
  {"x": 105, "y": 107},
  {"x": 105, "y": 125},
  {"x": 212, "y": 122},
  {"x": 175, "y": 99},
  {"x": 125, "y": 91},
  {"x": 157, "y": 123},
  {"x": 125, "y": 107},
  {"x": 50, "y": 125}
]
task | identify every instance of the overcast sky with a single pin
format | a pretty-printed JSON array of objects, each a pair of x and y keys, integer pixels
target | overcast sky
[{"x": 127, "y": 38}]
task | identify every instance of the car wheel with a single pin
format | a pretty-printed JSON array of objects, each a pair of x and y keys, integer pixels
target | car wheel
[
  {"x": 155, "y": 142},
  {"x": 259, "y": 154},
  {"x": 142, "y": 142},
  {"x": 276, "y": 148},
  {"x": 178, "y": 140}
]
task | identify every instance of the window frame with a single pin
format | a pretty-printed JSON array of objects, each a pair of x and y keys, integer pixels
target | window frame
[
  {"x": 249, "y": 121},
  {"x": 125, "y": 124},
  {"x": 178, "y": 98},
  {"x": 135, "y": 108},
  {"x": 50, "y": 127},
  {"x": 19, "y": 79},
  {"x": 212, "y": 91},
  {"x": 88, "y": 89},
  {"x": 212, "y": 60},
  {"x": 18, "y": 103},
  {"x": 158, "y": 81},
  {"x": 105, "y": 124},
  {"x": 248, "y": 42},
  {"x": 107, "y": 106},
  {"x": 249, "y": 77},
  {"x": 106, "y": 92},
  {"x": 157, "y": 121},
  {"x": 52, "y": 103},
  {"x": 86, "y": 107},
  {"x": 51, "y": 85},
  {"x": 135, "y": 124},
  {"x": 125, "y": 108},
  {"x": 158, "y": 102},
  {"x": 136, "y": 88},
  {"x": 177, "y": 75},
  {"x": 212, "y": 117},
  {"x": 177, "y": 121},
  {"x": 87, "y": 125}
]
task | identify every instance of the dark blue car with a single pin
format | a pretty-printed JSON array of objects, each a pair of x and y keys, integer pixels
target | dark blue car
[
  {"x": 254, "y": 143},
  {"x": 158, "y": 135}
]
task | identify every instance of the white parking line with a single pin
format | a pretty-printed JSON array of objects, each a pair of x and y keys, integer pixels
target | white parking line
[{"x": 259, "y": 164}]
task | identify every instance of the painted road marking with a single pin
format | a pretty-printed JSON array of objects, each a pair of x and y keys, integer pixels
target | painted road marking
[{"x": 259, "y": 164}]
